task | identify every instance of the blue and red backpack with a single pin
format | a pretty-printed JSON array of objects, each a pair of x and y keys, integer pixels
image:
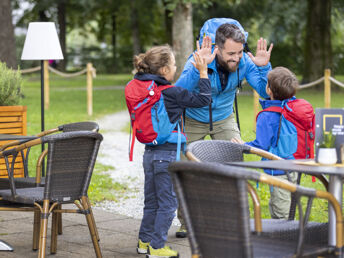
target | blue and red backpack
[
  {"x": 149, "y": 119},
  {"x": 295, "y": 139}
]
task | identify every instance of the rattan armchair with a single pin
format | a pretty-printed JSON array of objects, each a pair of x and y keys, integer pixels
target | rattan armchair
[
  {"x": 214, "y": 203},
  {"x": 70, "y": 161},
  {"x": 225, "y": 151}
]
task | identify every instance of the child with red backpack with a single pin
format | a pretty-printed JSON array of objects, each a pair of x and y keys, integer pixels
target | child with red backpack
[
  {"x": 285, "y": 127},
  {"x": 156, "y": 109}
]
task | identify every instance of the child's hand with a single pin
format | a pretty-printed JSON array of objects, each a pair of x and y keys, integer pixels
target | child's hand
[
  {"x": 201, "y": 65},
  {"x": 236, "y": 140}
]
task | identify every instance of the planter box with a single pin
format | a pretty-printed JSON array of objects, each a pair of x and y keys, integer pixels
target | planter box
[{"x": 12, "y": 121}]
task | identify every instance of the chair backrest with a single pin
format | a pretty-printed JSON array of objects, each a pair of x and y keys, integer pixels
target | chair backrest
[
  {"x": 70, "y": 162},
  {"x": 217, "y": 151},
  {"x": 80, "y": 126},
  {"x": 213, "y": 198}
]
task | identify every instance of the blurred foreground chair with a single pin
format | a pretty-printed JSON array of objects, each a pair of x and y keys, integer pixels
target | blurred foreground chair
[
  {"x": 214, "y": 203},
  {"x": 225, "y": 151},
  {"x": 70, "y": 162}
]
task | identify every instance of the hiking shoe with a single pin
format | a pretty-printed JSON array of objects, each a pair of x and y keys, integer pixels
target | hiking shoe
[
  {"x": 165, "y": 252},
  {"x": 181, "y": 233},
  {"x": 142, "y": 247}
]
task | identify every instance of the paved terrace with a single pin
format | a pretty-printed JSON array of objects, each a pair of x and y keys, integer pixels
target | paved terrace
[{"x": 118, "y": 236}]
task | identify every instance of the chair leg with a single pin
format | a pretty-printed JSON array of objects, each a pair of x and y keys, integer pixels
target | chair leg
[
  {"x": 54, "y": 231},
  {"x": 43, "y": 230},
  {"x": 59, "y": 218},
  {"x": 94, "y": 222},
  {"x": 91, "y": 226},
  {"x": 36, "y": 229}
]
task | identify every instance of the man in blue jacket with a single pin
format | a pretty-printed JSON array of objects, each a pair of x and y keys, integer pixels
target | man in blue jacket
[{"x": 227, "y": 67}]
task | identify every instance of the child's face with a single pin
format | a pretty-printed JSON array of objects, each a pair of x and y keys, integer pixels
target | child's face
[{"x": 171, "y": 69}]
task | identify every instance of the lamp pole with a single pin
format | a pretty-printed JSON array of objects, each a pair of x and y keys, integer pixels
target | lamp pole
[{"x": 42, "y": 111}]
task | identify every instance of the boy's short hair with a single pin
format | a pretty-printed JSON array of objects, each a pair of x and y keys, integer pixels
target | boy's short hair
[{"x": 282, "y": 83}]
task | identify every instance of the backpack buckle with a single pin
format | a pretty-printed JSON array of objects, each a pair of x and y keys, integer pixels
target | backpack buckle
[{"x": 132, "y": 116}]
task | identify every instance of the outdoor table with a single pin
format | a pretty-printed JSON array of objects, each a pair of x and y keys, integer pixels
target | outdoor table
[{"x": 336, "y": 174}]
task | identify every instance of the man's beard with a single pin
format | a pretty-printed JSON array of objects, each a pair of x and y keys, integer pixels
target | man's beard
[{"x": 225, "y": 65}]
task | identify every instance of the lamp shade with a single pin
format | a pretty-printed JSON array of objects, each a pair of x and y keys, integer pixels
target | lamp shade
[{"x": 42, "y": 42}]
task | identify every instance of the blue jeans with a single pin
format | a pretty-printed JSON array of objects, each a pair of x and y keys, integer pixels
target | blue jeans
[{"x": 160, "y": 200}]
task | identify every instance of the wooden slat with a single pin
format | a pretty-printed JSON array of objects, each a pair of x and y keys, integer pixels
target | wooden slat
[
  {"x": 11, "y": 125},
  {"x": 6, "y": 119},
  {"x": 11, "y": 130},
  {"x": 16, "y": 165},
  {"x": 13, "y": 108},
  {"x": 17, "y": 172},
  {"x": 7, "y": 113}
]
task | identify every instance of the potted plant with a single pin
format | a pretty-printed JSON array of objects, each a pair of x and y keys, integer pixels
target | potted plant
[
  {"x": 12, "y": 115},
  {"x": 327, "y": 153}
]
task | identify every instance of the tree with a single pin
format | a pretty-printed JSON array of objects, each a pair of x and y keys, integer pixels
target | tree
[
  {"x": 7, "y": 41},
  {"x": 182, "y": 36},
  {"x": 318, "y": 48}
]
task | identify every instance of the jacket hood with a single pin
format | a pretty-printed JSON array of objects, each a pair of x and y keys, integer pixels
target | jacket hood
[
  {"x": 159, "y": 80},
  {"x": 265, "y": 103}
]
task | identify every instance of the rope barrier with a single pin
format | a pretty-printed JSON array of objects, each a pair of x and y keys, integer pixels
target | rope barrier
[
  {"x": 67, "y": 75},
  {"x": 31, "y": 70},
  {"x": 307, "y": 85},
  {"x": 336, "y": 82}
]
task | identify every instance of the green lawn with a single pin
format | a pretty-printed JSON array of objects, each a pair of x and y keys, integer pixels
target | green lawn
[{"x": 68, "y": 104}]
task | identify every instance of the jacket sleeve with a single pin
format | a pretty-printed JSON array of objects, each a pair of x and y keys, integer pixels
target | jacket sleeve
[
  {"x": 257, "y": 77},
  {"x": 187, "y": 99},
  {"x": 189, "y": 77},
  {"x": 264, "y": 133}
]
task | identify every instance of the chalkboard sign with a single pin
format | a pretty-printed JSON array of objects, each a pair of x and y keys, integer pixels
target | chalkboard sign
[{"x": 326, "y": 120}]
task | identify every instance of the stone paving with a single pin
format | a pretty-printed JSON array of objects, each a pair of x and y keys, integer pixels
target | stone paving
[{"x": 118, "y": 236}]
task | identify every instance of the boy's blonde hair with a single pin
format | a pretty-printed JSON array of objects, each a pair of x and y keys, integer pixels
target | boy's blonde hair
[
  {"x": 154, "y": 59},
  {"x": 282, "y": 83}
]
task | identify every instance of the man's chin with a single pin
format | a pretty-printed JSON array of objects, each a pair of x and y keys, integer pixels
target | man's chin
[{"x": 233, "y": 68}]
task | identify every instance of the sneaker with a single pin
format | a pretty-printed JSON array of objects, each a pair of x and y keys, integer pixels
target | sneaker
[
  {"x": 165, "y": 252},
  {"x": 142, "y": 247},
  {"x": 181, "y": 233}
]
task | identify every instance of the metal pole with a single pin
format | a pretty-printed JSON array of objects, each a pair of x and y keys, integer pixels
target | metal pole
[{"x": 42, "y": 108}]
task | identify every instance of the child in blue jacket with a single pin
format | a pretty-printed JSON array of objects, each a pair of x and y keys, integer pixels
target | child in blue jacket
[
  {"x": 282, "y": 85},
  {"x": 158, "y": 65}
]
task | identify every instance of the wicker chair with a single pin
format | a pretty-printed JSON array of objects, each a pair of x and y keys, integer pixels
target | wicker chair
[
  {"x": 70, "y": 162},
  {"x": 214, "y": 203},
  {"x": 26, "y": 181},
  {"x": 224, "y": 151}
]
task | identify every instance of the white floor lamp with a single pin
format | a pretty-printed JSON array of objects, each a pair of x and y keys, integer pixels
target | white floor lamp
[{"x": 42, "y": 43}]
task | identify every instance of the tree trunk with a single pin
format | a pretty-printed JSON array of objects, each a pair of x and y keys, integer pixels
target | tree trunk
[
  {"x": 135, "y": 28},
  {"x": 7, "y": 40},
  {"x": 61, "y": 16},
  {"x": 182, "y": 34},
  {"x": 113, "y": 41},
  {"x": 318, "y": 49},
  {"x": 168, "y": 24}
]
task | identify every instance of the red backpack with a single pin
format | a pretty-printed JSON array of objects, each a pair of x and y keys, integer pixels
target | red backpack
[
  {"x": 297, "y": 119},
  {"x": 149, "y": 119}
]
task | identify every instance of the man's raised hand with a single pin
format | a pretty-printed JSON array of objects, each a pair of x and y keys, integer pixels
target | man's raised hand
[
  {"x": 262, "y": 57},
  {"x": 205, "y": 50}
]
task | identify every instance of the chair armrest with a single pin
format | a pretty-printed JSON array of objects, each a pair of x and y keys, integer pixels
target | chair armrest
[
  {"x": 190, "y": 156},
  {"x": 264, "y": 178},
  {"x": 39, "y": 166},
  {"x": 264, "y": 154}
]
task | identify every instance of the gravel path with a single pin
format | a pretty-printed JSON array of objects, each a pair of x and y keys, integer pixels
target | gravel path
[{"x": 114, "y": 152}]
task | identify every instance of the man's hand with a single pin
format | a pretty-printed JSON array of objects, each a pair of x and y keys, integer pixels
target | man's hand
[
  {"x": 262, "y": 57},
  {"x": 205, "y": 50},
  {"x": 237, "y": 140}
]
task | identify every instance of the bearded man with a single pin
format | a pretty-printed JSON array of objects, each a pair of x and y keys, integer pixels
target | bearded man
[{"x": 227, "y": 67}]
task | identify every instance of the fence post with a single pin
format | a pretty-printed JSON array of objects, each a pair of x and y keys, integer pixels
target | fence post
[
  {"x": 89, "y": 89},
  {"x": 46, "y": 84},
  {"x": 327, "y": 88},
  {"x": 255, "y": 108}
]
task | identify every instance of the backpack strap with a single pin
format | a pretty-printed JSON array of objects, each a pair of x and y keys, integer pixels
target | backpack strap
[
  {"x": 276, "y": 110},
  {"x": 132, "y": 137}
]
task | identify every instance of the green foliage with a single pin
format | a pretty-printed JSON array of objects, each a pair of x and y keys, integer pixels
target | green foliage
[
  {"x": 10, "y": 86},
  {"x": 328, "y": 140}
]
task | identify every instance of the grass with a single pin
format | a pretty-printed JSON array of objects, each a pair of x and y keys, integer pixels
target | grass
[{"x": 68, "y": 104}]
